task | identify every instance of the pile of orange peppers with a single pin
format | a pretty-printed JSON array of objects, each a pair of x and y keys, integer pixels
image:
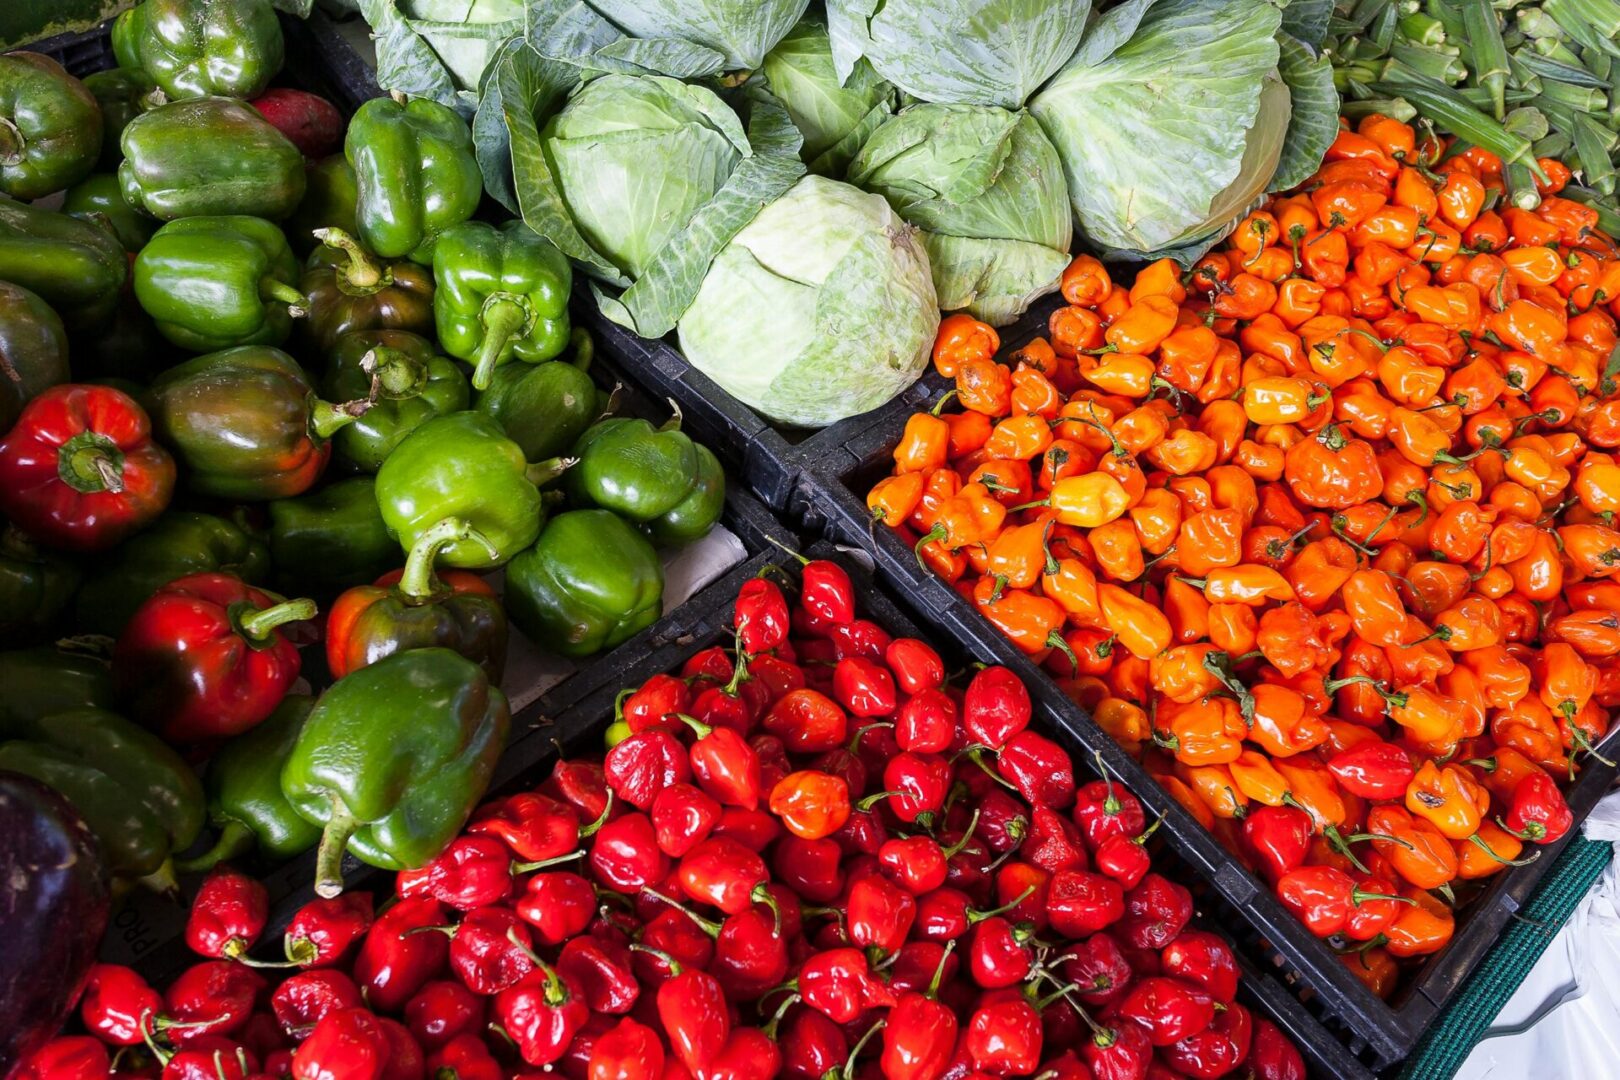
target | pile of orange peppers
[{"x": 1322, "y": 529}]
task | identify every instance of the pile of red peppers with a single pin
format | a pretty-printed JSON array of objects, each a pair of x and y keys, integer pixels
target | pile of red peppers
[{"x": 819, "y": 854}]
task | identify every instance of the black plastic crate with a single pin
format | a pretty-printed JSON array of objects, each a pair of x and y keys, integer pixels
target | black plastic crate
[
  {"x": 831, "y": 501},
  {"x": 570, "y": 723}
]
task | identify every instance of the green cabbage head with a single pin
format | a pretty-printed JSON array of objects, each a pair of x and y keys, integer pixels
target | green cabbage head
[
  {"x": 1171, "y": 129},
  {"x": 986, "y": 188},
  {"x": 822, "y": 307},
  {"x": 835, "y": 116},
  {"x": 634, "y": 157},
  {"x": 742, "y": 30}
]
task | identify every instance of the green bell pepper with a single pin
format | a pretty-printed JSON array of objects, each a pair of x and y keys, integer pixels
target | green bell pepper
[
  {"x": 209, "y": 156},
  {"x": 123, "y": 94},
  {"x": 139, "y": 797},
  {"x": 589, "y": 583},
  {"x": 245, "y": 423},
  {"x": 413, "y": 386},
  {"x": 216, "y": 282},
  {"x": 48, "y": 679},
  {"x": 463, "y": 466},
  {"x": 34, "y": 344},
  {"x": 36, "y": 587},
  {"x": 100, "y": 195},
  {"x": 75, "y": 266},
  {"x": 394, "y": 758},
  {"x": 179, "y": 543},
  {"x": 544, "y": 408},
  {"x": 194, "y": 48},
  {"x": 350, "y": 289},
  {"x": 693, "y": 517},
  {"x": 245, "y": 801},
  {"x": 331, "y": 538},
  {"x": 330, "y": 197},
  {"x": 50, "y": 126},
  {"x": 416, "y": 172},
  {"x": 502, "y": 293},
  {"x": 632, "y": 468}
]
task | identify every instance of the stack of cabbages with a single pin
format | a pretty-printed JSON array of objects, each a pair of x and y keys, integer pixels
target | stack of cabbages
[{"x": 798, "y": 192}]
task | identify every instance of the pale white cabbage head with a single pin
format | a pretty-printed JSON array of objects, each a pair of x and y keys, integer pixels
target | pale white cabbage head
[{"x": 820, "y": 308}]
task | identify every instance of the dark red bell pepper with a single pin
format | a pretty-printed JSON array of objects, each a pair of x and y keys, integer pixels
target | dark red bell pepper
[
  {"x": 310, "y": 123},
  {"x": 203, "y": 659},
  {"x": 79, "y": 469}
]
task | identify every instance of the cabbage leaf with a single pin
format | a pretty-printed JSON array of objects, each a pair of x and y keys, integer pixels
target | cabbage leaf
[
  {"x": 987, "y": 189},
  {"x": 1156, "y": 137},
  {"x": 977, "y": 52},
  {"x": 743, "y": 31},
  {"x": 834, "y": 116},
  {"x": 1314, "y": 121}
]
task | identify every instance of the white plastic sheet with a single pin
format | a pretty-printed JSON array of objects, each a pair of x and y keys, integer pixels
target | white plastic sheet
[{"x": 1564, "y": 1021}]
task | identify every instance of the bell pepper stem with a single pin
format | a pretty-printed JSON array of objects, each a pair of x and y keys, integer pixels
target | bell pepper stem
[
  {"x": 398, "y": 373},
  {"x": 12, "y": 144},
  {"x": 235, "y": 840},
  {"x": 90, "y": 462},
  {"x": 503, "y": 317},
  {"x": 297, "y": 303},
  {"x": 329, "y": 856},
  {"x": 541, "y": 473},
  {"x": 258, "y": 625},
  {"x": 675, "y": 418},
  {"x": 418, "y": 581},
  {"x": 326, "y": 419},
  {"x": 361, "y": 272}
]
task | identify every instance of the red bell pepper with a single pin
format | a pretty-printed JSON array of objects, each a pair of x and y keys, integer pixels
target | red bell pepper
[
  {"x": 203, "y": 659},
  {"x": 79, "y": 469}
]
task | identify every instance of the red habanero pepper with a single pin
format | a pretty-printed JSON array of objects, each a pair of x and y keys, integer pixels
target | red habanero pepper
[
  {"x": 811, "y": 804},
  {"x": 464, "y": 1057},
  {"x": 864, "y": 687},
  {"x": 1102, "y": 810},
  {"x": 489, "y": 950},
  {"x": 322, "y": 932},
  {"x": 601, "y": 967},
  {"x": 116, "y": 1005},
  {"x": 826, "y": 592},
  {"x": 1080, "y": 903},
  {"x": 1205, "y": 959},
  {"x": 692, "y": 1009},
  {"x": 625, "y": 855},
  {"x": 927, "y": 722},
  {"x": 628, "y": 1051},
  {"x": 534, "y": 826},
  {"x": 1125, "y": 858},
  {"x": 917, "y": 667},
  {"x": 558, "y": 906},
  {"x": 1003, "y": 1036},
  {"x": 66, "y": 1057},
  {"x": 1374, "y": 769},
  {"x": 227, "y": 915},
  {"x": 725, "y": 765},
  {"x": 644, "y": 764},
  {"x": 542, "y": 1013},
  {"x": 1537, "y": 811},
  {"x": 839, "y": 984},
  {"x": 442, "y": 1012},
  {"x": 302, "y": 1001},
  {"x": 879, "y": 914},
  {"x": 917, "y": 785},
  {"x": 1272, "y": 1055},
  {"x": 473, "y": 872},
  {"x": 1168, "y": 1009},
  {"x": 1038, "y": 768},
  {"x": 722, "y": 872},
  {"x": 655, "y": 703},
  {"x": 1216, "y": 1051},
  {"x": 215, "y": 997},
  {"x": 761, "y": 616},
  {"x": 1156, "y": 912},
  {"x": 79, "y": 469},
  {"x": 920, "y": 1035},
  {"x": 682, "y": 817},
  {"x": 1279, "y": 837},
  {"x": 203, "y": 659},
  {"x": 350, "y": 1043},
  {"x": 394, "y": 961},
  {"x": 995, "y": 707},
  {"x": 1323, "y": 897}
]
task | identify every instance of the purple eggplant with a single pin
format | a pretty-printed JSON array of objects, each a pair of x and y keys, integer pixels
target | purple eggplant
[{"x": 54, "y": 904}]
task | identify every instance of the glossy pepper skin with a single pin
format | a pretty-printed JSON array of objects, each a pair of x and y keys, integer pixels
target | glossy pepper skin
[
  {"x": 214, "y": 282},
  {"x": 209, "y": 156},
  {"x": 34, "y": 343},
  {"x": 246, "y": 424},
  {"x": 73, "y": 265},
  {"x": 415, "y": 608},
  {"x": 330, "y": 538},
  {"x": 462, "y": 465},
  {"x": 393, "y": 759},
  {"x": 416, "y": 174},
  {"x": 330, "y": 195},
  {"x": 350, "y": 289},
  {"x": 195, "y": 48},
  {"x": 135, "y": 793},
  {"x": 502, "y": 294},
  {"x": 633, "y": 468},
  {"x": 544, "y": 408},
  {"x": 36, "y": 589},
  {"x": 204, "y": 658},
  {"x": 100, "y": 193},
  {"x": 123, "y": 94},
  {"x": 245, "y": 801},
  {"x": 79, "y": 469},
  {"x": 49, "y": 679},
  {"x": 413, "y": 385},
  {"x": 50, "y": 126},
  {"x": 179, "y": 543},
  {"x": 694, "y": 516},
  {"x": 589, "y": 583}
]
